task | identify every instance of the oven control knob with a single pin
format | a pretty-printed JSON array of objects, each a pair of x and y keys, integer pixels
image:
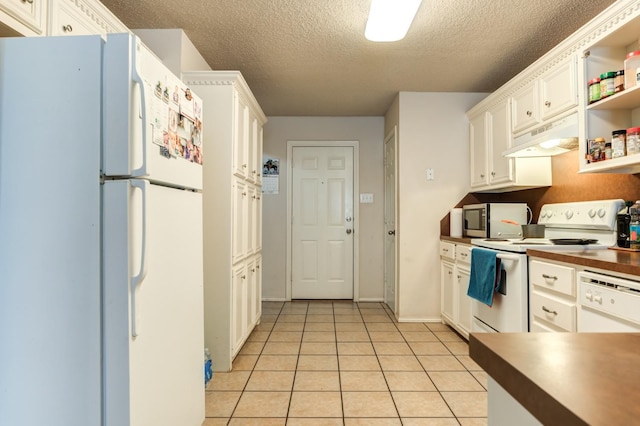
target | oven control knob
[
  {"x": 568, "y": 214},
  {"x": 601, "y": 212},
  {"x": 598, "y": 299},
  {"x": 592, "y": 213},
  {"x": 589, "y": 296},
  {"x": 543, "y": 214}
]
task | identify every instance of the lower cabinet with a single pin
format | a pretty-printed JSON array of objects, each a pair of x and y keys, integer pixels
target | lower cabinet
[
  {"x": 455, "y": 266},
  {"x": 246, "y": 295},
  {"x": 552, "y": 296}
]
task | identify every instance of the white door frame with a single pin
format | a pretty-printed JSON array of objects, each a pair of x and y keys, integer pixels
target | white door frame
[
  {"x": 393, "y": 135},
  {"x": 356, "y": 208}
]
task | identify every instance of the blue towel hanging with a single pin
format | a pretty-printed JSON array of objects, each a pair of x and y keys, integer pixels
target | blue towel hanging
[{"x": 485, "y": 275}]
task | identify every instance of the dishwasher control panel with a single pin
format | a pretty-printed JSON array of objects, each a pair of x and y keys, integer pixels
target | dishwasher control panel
[{"x": 613, "y": 296}]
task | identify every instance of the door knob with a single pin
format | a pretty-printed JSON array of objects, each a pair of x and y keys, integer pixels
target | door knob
[
  {"x": 393, "y": 232},
  {"x": 349, "y": 231}
]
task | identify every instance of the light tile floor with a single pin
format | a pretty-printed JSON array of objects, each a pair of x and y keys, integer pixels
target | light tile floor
[{"x": 345, "y": 363}]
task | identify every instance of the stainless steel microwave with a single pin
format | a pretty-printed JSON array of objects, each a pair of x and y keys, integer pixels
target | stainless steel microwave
[{"x": 494, "y": 220}]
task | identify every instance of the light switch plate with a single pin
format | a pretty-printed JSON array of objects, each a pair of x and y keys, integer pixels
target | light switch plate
[
  {"x": 366, "y": 198},
  {"x": 430, "y": 174}
]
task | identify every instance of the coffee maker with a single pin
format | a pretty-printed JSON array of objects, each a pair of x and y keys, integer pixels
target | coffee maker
[{"x": 623, "y": 225}]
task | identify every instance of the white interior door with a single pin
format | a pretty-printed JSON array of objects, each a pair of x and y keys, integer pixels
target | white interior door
[
  {"x": 390, "y": 221},
  {"x": 322, "y": 223}
]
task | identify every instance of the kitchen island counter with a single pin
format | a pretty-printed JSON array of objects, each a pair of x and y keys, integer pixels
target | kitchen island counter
[
  {"x": 565, "y": 378},
  {"x": 624, "y": 262}
]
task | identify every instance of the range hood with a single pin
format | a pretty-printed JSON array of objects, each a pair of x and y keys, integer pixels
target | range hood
[{"x": 549, "y": 139}]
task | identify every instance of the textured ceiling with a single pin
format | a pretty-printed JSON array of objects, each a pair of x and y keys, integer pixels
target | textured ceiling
[{"x": 310, "y": 57}]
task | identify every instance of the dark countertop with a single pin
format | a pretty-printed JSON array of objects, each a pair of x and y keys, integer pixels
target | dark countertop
[
  {"x": 627, "y": 262},
  {"x": 566, "y": 378},
  {"x": 455, "y": 239}
]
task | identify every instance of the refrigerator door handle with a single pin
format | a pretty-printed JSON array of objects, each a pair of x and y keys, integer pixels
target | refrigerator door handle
[
  {"x": 137, "y": 279},
  {"x": 135, "y": 76}
]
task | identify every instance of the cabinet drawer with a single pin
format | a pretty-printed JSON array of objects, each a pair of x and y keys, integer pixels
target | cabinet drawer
[
  {"x": 447, "y": 250},
  {"x": 463, "y": 254},
  {"x": 552, "y": 277},
  {"x": 556, "y": 312}
]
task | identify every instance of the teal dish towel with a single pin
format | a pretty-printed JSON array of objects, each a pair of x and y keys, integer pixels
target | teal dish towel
[{"x": 485, "y": 275}]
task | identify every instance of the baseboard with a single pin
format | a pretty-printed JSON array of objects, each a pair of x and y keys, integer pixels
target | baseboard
[
  {"x": 428, "y": 320},
  {"x": 274, "y": 299}
]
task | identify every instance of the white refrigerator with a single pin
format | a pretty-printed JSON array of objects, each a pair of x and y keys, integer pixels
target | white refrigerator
[{"x": 101, "y": 308}]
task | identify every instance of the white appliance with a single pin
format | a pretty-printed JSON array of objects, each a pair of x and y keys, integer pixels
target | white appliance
[
  {"x": 101, "y": 316},
  {"x": 608, "y": 304},
  {"x": 568, "y": 226}
]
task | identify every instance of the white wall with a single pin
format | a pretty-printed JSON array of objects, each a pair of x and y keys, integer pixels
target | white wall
[
  {"x": 432, "y": 133},
  {"x": 369, "y": 131}
]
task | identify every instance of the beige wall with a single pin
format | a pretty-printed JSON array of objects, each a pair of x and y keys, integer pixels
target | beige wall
[
  {"x": 432, "y": 133},
  {"x": 369, "y": 131}
]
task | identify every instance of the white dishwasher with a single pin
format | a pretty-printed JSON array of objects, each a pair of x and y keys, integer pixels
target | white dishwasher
[{"x": 608, "y": 304}]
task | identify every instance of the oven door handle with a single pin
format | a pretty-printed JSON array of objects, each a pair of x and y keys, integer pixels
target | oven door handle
[{"x": 513, "y": 257}]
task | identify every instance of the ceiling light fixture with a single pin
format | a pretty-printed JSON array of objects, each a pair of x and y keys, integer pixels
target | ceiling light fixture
[{"x": 389, "y": 20}]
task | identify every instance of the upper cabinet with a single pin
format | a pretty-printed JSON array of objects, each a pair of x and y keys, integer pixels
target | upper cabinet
[
  {"x": 489, "y": 136},
  {"x": 542, "y": 99},
  {"x": 82, "y": 17},
  {"x": 606, "y": 51},
  {"x": 25, "y": 17}
]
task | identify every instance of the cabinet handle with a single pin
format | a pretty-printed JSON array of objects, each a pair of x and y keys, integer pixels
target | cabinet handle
[
  {"x": 549, "y": 311},
  {"x": 493, "y": 173},
  {"x": 244, "y": 194},
  {"x": 547, "y": 104},
  {"x": 66, "y": 28},
  {"x": 244, "y": 166},
  {"x": 464, "y": 254},
  {"x": 259, "y": 198},
  {"x": 549, "y": 277},
  {"x": 258, "y": 267},
  {"x": 254, "y": 197},
  {"x": 529, "y": 113},
  {"x": 254, "y": 172},
  {"x": 244, "y": 277},
  {"x": 482, "y": 175},
  {"x": 253, "y": 269},
  {"x": 27, "y": 1}
]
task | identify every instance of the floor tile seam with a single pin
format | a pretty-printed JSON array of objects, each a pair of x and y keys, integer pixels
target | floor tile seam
[{"x": 395, "y": 406}]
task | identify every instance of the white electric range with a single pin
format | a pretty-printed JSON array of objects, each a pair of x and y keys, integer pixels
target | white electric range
[{"x": 588, "y": 225}]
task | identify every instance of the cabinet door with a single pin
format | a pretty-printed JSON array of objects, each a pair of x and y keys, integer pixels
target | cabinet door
[
  {"x": 253, "y": 160},
  {"x": 259, "y": 145},
  {"x": 30, "y": 13},
  {"x": 258, "y": 288},
  {"x": 239, "y": 221},
  {"x": 499, "y": 129},
  {"x": 252, "y": 202},
  {"x": 238, "y": 307},
  {"x": 257, "y": 222},
  {"x": 240, "y": 141},
  {"x": 559, "y": 89},
  {"x": 464, "y": 301},
  {"x": 478, "y": 149},
  {"x": 81, "y": 18},
  {"x": 524, "y": 107},
  {"x": 250, "y": 301},
  {"x": 447, "y": 289}
]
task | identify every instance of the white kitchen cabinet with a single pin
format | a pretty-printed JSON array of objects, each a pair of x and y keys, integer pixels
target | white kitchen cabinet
[
  {"x": 489, "y": 136},
  {"x": 552, "y": 296},
  {"x": 478, "y": 149},
  {"x": 544, "y": 98},
  {"x": 524, "y": 104},
  {"x": 25, "y": 17},
  {"x": 447, "y": 286},
  {"x": 559, "y": 89},
  {"x": 455, "y": 264},
  {"x": 82, "y": 17},
  {"x": 232, "y": 207}
]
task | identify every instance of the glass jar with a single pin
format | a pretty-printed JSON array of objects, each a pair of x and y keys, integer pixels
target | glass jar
[
  {"x": 619, "y": 143},
  {"x": 633, "y": 140},
  {"x": 594, "y": 90},
  {"x": 618, "y": 81},
  {"x": 607, "y": 81},
  {"x": 607, "y": 151}
]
